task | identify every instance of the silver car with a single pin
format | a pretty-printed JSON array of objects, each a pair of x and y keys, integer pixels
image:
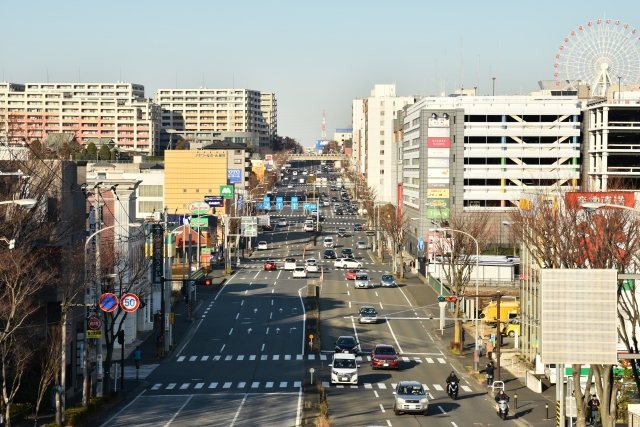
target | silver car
[
  {"x": 362, "y": 245},
  {"x": 367, "y": 314},
  {"x": 410, "y": 397},
  {"x": 362, "y": 281},
  {"x": 387, "y": 280}
]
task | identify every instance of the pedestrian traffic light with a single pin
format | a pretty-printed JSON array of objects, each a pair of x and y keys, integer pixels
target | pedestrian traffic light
[
  {"x": 451, "y": 298},
  {"x": 205, "y": 281},
  {"x": 121, "y": 337}
]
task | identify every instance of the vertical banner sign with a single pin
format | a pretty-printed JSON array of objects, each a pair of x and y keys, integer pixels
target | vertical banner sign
[
  {"x": 399, "y": 201},
  {"x": 158, "y": 252}
]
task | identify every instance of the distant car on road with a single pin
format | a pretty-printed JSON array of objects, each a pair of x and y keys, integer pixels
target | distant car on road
[
  {"x": 262, "y": 246},
  {"x": 362, "y": 281},
  {"x": 328, "y": 242},
  {"x": 367, "y": 314},
  {"x": 270, "y": 265},
  {"x": 290, "y": 264},
  {"x": 387, "y": 280},
  {"x": 351, "y": 273},
  {"x": 300, "y": 273},
  {"x": 362, "y": 245},
  {"x": 410, "y": 397},
  {"x": 267, "y": 227},
  {"x": 329, "y": 254},
  {"x": 346, "y": 344},
  {"x": 384, "y": 356},
  {"x": 342, "y": 232},
  {"x": 357, "y": 227},
  {"x": 282, "y": 222},
  {"x": 346, "y": 251},
  {"x": 312, "y": 265},
  {"x": 346, "y": 263}
]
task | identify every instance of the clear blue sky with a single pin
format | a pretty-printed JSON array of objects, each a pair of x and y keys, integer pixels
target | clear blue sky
[{"x": 315, "y": 55}]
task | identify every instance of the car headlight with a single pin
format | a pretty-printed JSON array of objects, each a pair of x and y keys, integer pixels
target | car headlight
[
  {"x": 424, "y": 400},
  {"x": 400, "y": 400},
  {"x": 374, "y": 359}
]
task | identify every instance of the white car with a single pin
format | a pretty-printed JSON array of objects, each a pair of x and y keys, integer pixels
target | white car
[
  {"x": 282, "y": 222},
  {"x": 295, "y": 173},
  {"x": 289, "y": 263},
  {"x": 346, "y": 263},
  {"x": 300, "y": 273},
  {"x": 290, "y": 186},
  {"x": 344, "y": 369},
  {"x": 328, "y": 242},
  {"x": 312, "y": 265},
  {"x": 308, "y": 226},
  {"x": 362, "y": 281},
  {"x": 326, "y": 203},
  {"x": 262, "y": 246}
]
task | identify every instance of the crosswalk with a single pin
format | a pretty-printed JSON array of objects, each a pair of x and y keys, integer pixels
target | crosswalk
[
  {"x": 289, "y": 357},
  {"x": 384, "y": 386},
  {"x": 227, "y": 385}
]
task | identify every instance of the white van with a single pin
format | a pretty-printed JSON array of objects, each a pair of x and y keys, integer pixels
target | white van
[
  {"x": 344, "y": 369},
  {"x": 328, "y": 242}
]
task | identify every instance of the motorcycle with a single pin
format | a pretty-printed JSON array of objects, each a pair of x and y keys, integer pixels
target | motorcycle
[
  {"x": 503, "y": 408},
  {"x": 452, "y": 390}
]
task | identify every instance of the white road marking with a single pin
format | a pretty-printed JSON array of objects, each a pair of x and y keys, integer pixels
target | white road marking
[
  {"x": 297, "y": 383},
  {"x": 376, "y": 393},
  {"x": 438, "y": 387},
  {"x": 355, "y": 332},
  {"x": 242, "y": 384},
  {"x": 430, "y": 360},
  {"x": 199, "y": 385},
  {"x": 382, "y": 386},
  {"x": 348, "y": 293},
  {"x": 245, "y": 292},
  {"x": 442, "y": 410},
  {"x": 367, "y": 385},
  {"x": 241, "y": 357},
  {"x": 262, "y": 349},
  {"x": 256, "y": 276},
  {"x": 267, "y": 331},
  {"x": 192, "y": 358},
  {"x": 171, "y": 386},
  {"x": 255, "y": 384},
  {"x": 226, "y": 385},
  {"x": 381, "y": 307},
  {"x": 466, "y": 388},
  {"x": 237, "y": 315},
  {"x": 238, "y": 412},
  {"x": 283, "y": 384},
  {"x": 393, "y": 335},
  {"x": 241, "y": 303},
  {"x": 227, "y": 358},
  {"x": 349, "y": 304},
  {"x": 389, "y": 423},
  {"x": 269, "y": 384},
  {"x": 216, "y": 358},
  {"x": 181, "y": 358},
  {"x": 382, "y": 408},
  {"x": 264, "y": 356},
  {"x": 213, "y": 385},
  {"x": 426, "y": 387},
  {"x": 230, "y": 331},
  {"x": 441, "y": 360},
  {"x": 252, "y": 357},
  {"x": 156, "y": 386}
]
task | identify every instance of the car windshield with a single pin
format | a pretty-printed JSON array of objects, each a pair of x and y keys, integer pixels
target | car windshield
[
  {"x": 341, "y": 229},
  {"x": 416, "y": 389},
  {"x": 329, "y": 252},
  {"x": 262, "y": 243},
  {"x": 385, "y": 350},
  {"x": 299, "y": 268},
  {"x": 344, "y": 363},
  {"x": 290, "y": 260},
  {"x": 346, "y": 341},
  {"x": 368, "y": 310},
  {"x": 270, "y": 261},
  {"x": 387, "y": 277},
  {"x": 346, "y": 251},
  {"x": 361, "y": 243},
  {"x": 311, "y": 262},
  {"x": 362, "y": 277}
]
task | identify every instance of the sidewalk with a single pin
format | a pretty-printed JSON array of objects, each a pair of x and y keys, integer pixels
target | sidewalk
[{"x": 530, "y": 410}]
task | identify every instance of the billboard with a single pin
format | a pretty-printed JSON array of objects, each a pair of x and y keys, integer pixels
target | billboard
[
  {"x": 400, "y": 200},
  {"x": 234, "y": 175},
  {"x": 437, "y": 173},
  {"x": 320, "y": 144},
  {"x": 438, "y": 143},
  {"x": 435, "y": 132},
  {"x": 437, "y": 193},
  {"x": 579, "y": 316},
  {"x": 438, "y": 162},
  {"x": 257, "y": 166},
  {"x": 574, "y": 200},
  {"x": 439, "y": 152},
  {"x": 438, "y": 122}
]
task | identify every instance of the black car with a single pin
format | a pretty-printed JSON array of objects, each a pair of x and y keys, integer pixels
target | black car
[
  {"x": 339, "y": 212},
  {"x": 347, "y": 251},
  {"x": 321, "y": 217},
  {"x": 346, "y": 344},
  {"x": 334, "y": 199},
  {"x": 329, "y": 254},
  {"x": 357, "y": 227},
  {"x": 267, "y": 228}
]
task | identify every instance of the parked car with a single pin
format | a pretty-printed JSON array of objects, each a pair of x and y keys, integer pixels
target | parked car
[
  {"x": 329, "y": 254},
  {"x": 300, "y": 273},
  {"x": 270, "y": 265},
  {"x": 362, "y": 281},
  {"x": 262, "y": 245},
  {"x": 367, "y": 314},
  {"x": 384, "y": 356},
  {"x": 289, "y": 263},
  {"x": 362, "y": 245},
  {"x": 312, "y": 265},
  {"x": 387, "y": 280},
  {"x": 351, "y": 273},
  {"x": 410, "y": 397},
  {"x": 346, "y": 263},
  {"x": 346, "y": 344}
]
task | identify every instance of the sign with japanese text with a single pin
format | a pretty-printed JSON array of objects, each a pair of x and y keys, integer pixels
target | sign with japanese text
[
  {"x": 158, "y": 250},
  {"x": 438, "y": 193},
  {"x": 438, "y": 142},
  {"x": 624, "y": 198}
]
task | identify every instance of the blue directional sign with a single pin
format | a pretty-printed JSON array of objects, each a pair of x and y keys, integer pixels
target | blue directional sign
[
  {"x": 279, "y": 205},
  {"x": 310, "y": 206},
  {"x": 267, "y": 200},
  {"x": 294, "y": 203},
  {"x": 240, "y": 200},
  {"x": 421, "y": 244},
  {"x": 267, "y": 206},
  {"x": 259, "y": 206},
  {"x": 279, "y": 199}
]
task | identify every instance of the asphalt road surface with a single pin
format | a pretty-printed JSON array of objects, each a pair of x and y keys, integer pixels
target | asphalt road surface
[{"x": 243, "y": 363}]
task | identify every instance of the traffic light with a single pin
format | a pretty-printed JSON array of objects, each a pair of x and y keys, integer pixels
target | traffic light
[
  {"x": 451, "y": 298},
  {"x": 205, "y": 281},
  {"x": 121, "y": 337}
]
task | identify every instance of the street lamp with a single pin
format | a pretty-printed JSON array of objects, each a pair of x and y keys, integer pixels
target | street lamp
[
  {"x": 25, "y": 203},
  {"x": 475, "y": 345},
  {"x": 85, "y": 388},
  {"x": 594, "y": 206}
]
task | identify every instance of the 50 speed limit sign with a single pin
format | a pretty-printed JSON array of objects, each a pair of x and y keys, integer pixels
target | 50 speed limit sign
[{"x": 129, "y": 302}]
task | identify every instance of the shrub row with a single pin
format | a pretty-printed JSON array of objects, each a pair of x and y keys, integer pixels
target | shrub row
[{"x": 79, "y": 414}]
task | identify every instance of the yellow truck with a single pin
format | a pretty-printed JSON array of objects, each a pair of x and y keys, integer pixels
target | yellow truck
[
  {"x": 512, "y": 328},
  {"x": 508, "y": 310}
]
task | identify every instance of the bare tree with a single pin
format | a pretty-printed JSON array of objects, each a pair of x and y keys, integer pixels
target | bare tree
[
  {"x": 561, "y": 235},
  {"x": 395, "y": 227},
  {"x": 48, "y": 355}
]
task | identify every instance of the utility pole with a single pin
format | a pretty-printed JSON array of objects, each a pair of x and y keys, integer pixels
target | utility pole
[
  {"x": 98, "y": 277},
  {"x": 165, "y": 295},
  {"x": 497, "y": 296}
]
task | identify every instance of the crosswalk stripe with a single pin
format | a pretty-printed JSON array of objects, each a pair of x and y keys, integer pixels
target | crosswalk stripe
[
  {"x": 312, "y": 357},
  {"x": 405, "y": 359},
  {"x": 276, "y": 357},
  {"x": 180, "y": 359},
  {"x": 226, "y": 385},
  {"x": 255, "y": 384},
  {"x": 215, "y": 359},
  {"x": 156, "y": 386},
  {"x": 171, "y": 386},
  {"x": 213, "y": 385},
  {"x": 283, "y": 384},
  {"x": 382, "y": 386},
  {"x": 264, "y": 357},
  {"x": 393, "y": 385},
  {"x": 425, "y": 387},
  {"x": 299, "y": 357},
  {"x": 441, "y": 360},
  {"x": 192, "y": 358},
  {"x": 367, "y": 385},
  {"x": 466, "y": 388},
  {"x": 417, "y": 359},
  {"x": 241, "y": 357},
  {"x": 199, "y": 385},
  {"x": 430, "y": 360},
  {"x": 326, "y": 384},
  {"x": 252, "y": 357},
  {"x": 339, "y": 386},
  {"x": 184, "y": 386},
  {"x": 359, "y": 358},
  {"x": 269, "y": 384},
  {"x": 438, "y": 387},
  {"x": 323, "y": 357},
  {"x": 205, "y": 358},
  {"x": 242, "y": 384},
  {"x": 228, "y": 358},
  {"x": 287, "y": 357},
  {"x": 297, "y": 384}
]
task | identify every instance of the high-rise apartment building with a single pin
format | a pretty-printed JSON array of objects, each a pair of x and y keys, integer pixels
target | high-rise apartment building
[
  {"x": 373, "y": 133},
  {"x": 110, "y": 111},
  {"x": 218, "y": 110}
]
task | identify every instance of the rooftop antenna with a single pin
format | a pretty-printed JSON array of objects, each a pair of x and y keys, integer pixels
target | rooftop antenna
[
  {"x": 203, "y": 80},
  {"x": 445, "y": 72},
  {"x": 435, "y": 81}
]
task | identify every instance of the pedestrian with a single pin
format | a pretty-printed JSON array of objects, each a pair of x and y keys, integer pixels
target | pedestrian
[
  {"x": 489, "y": 374},
  {"x": 480, "y": 346},
  {"x": 594, "y": 404},
  {"x": 137, "y": 356},
  {"x": 462, "y": 336},
  {"x": 489, "y": 350}
]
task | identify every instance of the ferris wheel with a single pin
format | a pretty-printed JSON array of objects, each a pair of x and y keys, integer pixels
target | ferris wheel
[{"x": 599, "y": 54}]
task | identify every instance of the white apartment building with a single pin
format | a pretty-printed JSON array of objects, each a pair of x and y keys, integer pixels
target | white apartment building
[
  {"x": 111, "y": 111},
  {"x": 218, "y": 110},
  {"x": 374, "y": 127}
]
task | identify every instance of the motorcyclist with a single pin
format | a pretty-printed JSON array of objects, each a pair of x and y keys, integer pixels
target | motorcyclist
[
  {"x": 452, "y": 378},
  {"x": 501, "y": 396}
]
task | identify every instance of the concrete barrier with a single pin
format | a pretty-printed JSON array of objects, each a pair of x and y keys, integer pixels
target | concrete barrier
[{"x": 533, "y": 383}]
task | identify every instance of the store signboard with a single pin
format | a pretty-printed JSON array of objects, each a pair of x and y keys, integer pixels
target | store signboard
[
  {"x": 437, "y": 193},
  {"x": 437, "y": 162},
  {"x": 437, "y": 173},
  {"x": 438, "y": 142},
  {"x": 439, "y": 152}
]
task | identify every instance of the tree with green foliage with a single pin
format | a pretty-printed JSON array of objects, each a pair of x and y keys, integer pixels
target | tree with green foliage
[
  {"x": 105, "y": 153},
  {"x": 92, "y": 152}
]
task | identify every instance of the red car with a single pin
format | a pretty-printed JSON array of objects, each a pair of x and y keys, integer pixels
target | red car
[
  {"x": 351, "y": 273},
  {"x": 270, "y": 265},
  {"x": 384, "y": 356}
]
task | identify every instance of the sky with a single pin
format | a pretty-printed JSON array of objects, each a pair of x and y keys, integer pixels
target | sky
[{"x": 315, "y": 56}]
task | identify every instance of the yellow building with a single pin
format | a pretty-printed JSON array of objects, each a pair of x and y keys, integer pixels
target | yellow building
[{"x": 190, "y": 175}]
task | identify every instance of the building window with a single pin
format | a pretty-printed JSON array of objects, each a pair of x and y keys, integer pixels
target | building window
[
  {"x": 381, "y": 122},
  {"x": 382, "y": 142},
  {"x": 237, "y": 161},
  {"x": 150, "y": 206},
  {"x": 150, "y": 191},
  {"x": 382, "y": 132},
  {"x": 382, "y": 103},
  {"x": 381, "y": 162},
  {"x": 382, "y": 152},
  {"x": 381, "y": 171},
  {"x": 382, "y": 182},
  {"x": 184, "y": 190}
]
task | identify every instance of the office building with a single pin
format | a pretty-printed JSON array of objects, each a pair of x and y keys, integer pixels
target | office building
[
  {"x": 116, "y": 112},
  {"x": 218, "y": 110}
]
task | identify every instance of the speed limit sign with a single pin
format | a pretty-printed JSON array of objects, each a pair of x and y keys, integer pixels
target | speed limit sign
[{"x": 129, "y": 302}]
